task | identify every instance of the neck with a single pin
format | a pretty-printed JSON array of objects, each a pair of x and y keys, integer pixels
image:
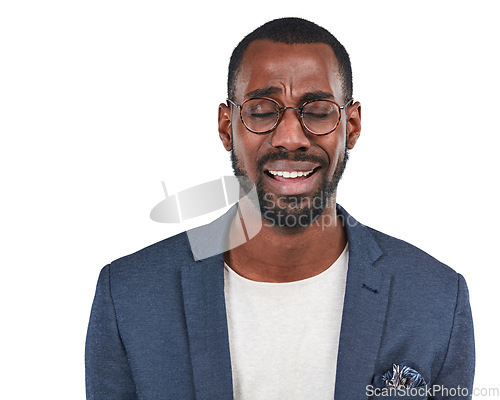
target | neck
[{"x": 285, "y": 255}]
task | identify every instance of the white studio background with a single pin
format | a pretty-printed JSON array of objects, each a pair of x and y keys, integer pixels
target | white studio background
[{"x": 102, "y": 100}]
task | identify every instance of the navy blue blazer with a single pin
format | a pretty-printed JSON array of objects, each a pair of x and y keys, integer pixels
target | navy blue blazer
[{"x": 158, "y": 327}]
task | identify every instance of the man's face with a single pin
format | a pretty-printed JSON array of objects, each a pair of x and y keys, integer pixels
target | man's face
[{"x": 290, "y": 74}]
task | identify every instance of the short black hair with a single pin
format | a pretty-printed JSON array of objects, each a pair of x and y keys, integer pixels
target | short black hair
[{"x": 292, "y": 31}]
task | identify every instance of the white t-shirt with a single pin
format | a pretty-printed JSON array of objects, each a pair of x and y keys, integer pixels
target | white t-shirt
[{"x": 284, "y": 337}]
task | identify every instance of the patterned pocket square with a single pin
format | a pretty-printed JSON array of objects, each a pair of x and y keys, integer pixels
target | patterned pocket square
[{"x": 401, "y": 376}]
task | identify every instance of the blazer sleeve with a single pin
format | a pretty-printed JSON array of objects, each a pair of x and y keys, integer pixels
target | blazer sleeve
[
  {"x": 108, "y": 373},
  {"x": 458, "y": 366}
]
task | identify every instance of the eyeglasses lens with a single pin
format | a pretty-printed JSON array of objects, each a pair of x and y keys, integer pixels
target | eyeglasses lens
[
  {"x": 320, "y": 116},
  {"x": 260, "y": 115}
]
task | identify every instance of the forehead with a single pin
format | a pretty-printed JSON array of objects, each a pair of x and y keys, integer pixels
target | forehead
[{"x": 294, "y": 69}]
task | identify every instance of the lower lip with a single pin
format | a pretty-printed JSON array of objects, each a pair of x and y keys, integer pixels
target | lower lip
[{"x": 293, "y": 186}]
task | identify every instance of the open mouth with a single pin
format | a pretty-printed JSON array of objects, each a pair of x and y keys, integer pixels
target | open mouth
[{"x": 290, "y": 176}]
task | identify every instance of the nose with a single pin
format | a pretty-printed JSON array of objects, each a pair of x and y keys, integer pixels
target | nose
[{"x": 289, "y": 134}]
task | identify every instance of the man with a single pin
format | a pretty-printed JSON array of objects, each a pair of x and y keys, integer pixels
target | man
[{"x": 315, "y": 305}]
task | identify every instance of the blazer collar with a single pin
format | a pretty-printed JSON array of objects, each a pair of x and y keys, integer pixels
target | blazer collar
[{"x": 365, "y": 305}]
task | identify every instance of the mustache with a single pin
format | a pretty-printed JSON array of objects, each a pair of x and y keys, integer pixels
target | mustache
[{"x": 287, "y": 156}]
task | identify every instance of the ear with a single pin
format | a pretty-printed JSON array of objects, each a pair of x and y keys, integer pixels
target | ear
[
  {"x": 225, "y": 128},
  {"x": 353, "y": 124}
]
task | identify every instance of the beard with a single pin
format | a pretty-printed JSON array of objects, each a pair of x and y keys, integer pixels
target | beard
[{"x": 291, "y": 211}]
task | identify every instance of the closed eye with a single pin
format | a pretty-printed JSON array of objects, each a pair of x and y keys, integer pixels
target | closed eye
[
  {"x": 317, "y": 115},
  {"x": 263, "y": 115}
]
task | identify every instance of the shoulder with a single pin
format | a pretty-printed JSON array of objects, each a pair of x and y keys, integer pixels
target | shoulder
[
  {"x": 154, "y": 263},
  {"x": 161, "y": 264},
  {"x": 401, "y": 257},
  {"x": 395, "y": 257},
  {"x": 170, "y": 249},
  {"x": 416, "y": 276}
]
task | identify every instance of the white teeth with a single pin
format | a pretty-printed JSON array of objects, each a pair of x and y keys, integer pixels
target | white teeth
[{"x": 291, "y": 174}]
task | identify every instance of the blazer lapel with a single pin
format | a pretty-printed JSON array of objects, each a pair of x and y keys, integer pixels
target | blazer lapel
[
  {"x": 205, "y": 311},
  {"x": 365, "y": 306}
]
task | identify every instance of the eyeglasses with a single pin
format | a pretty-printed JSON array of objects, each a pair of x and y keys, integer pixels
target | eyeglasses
[{"x": 262, "y": 115}]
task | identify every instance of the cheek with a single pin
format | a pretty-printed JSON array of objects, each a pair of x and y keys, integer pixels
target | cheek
[
  {"x": 335, "y": 149},
  {"x": 246, "y": 146},
  {"x": 239, "y": 144},
  {"x": 240, "y": 133}
]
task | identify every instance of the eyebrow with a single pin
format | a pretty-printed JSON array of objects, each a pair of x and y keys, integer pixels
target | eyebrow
[
  {"x": 270, "y": 90},
  {"x": 264, "y": 92},
  {"x": 317, "y": 95}
]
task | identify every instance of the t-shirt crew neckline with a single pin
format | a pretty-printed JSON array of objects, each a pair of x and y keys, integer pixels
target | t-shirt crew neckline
[{"x": 300, "y": 282}]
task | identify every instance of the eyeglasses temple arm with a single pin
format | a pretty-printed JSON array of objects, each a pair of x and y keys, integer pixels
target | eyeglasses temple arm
[
  {"x": 346, "y": 104},
  {"x": 233, "y": 103}
]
